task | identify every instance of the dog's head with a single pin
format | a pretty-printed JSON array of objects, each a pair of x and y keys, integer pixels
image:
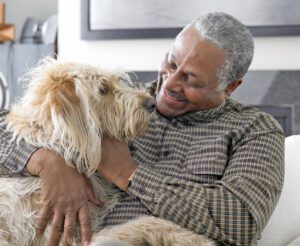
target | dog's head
[{"x": 68, "y": 107}]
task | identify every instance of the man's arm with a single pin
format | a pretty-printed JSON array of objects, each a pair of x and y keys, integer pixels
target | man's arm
[
  {"x": 233, "y": 210},
  {"x": 65, "y": 192},
  {"x": 13, "y": 156}
]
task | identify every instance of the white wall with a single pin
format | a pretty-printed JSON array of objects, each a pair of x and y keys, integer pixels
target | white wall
[
  {"x": 16, "y": 11},
  {"x": 271, "y": 53}
]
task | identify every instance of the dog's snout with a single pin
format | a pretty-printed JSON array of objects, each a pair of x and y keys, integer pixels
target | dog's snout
[{"x": 149, "y": 105}]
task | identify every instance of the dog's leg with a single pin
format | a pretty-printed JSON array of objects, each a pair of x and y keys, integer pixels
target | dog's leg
[{"x": 155, "y": 232}]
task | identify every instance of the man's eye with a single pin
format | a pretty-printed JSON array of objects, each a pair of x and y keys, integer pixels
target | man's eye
[
  {"x": 163, "y": 76},
  {"x": 191, "y": 83},
  {"x": 186, "y": 78},
  {"x": 172, "y": 65},
  {"x": 195, "y": 85}
]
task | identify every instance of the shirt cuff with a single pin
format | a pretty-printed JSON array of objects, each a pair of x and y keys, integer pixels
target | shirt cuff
[{"x": 17, "y": 161}]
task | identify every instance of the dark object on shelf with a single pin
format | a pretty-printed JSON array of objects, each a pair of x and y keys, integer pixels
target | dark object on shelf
[
  {"x": 30, "y": 32},
  {"x": 34, "y": 32}
]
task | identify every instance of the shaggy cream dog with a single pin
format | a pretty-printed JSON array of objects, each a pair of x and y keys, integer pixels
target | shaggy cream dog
[{"x": 68, "y": 108}]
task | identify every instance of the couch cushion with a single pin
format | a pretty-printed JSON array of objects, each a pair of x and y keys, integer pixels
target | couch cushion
[
  {"x": 295, "y": 242},
  {"x": 284, "y": 224}
]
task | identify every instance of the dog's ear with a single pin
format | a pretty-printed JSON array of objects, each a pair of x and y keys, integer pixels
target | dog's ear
[
  {"x": 56, "y": 113},
  {"x": 75, "y": 125},
  {"x": 61, "y": 96}
]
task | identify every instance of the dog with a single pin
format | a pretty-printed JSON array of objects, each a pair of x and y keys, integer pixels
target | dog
[{"x": 66, "y": 107}]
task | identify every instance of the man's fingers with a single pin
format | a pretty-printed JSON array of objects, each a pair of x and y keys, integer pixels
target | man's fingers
[
  {"x": 44, "y": 218},
  {"x": 91, "y": 194},
  {"x": 69, "y": 228},
  {"x": 92, "y": 198},
  {"x": 56, "y": 229},
  {"x": 85, "y": 224}
]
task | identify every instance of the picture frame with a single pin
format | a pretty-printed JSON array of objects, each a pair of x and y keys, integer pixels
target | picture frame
[{"x": 114, "y": 19}]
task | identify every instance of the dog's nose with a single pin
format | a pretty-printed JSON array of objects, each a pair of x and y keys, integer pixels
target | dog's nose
[{"x": 149, "y": 105}]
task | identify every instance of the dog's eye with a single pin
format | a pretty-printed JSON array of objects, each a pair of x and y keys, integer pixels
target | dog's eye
[{"x": 102, "y": 90}]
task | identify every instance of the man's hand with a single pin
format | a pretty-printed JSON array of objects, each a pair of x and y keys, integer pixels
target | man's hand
[
  {"x": 65, "y": 195},
  {"x": 116, "y": 162}
]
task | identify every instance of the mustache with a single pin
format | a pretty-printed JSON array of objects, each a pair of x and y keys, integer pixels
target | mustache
[{"x": 176, "y": 96}]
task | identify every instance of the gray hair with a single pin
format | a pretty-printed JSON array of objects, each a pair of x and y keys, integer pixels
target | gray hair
[{"x": 229, "y": 34}]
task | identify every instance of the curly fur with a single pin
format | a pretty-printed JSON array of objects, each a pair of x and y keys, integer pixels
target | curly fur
[
  {"x": 68, "y": 108},
  {"x": 148, "y": 230}
]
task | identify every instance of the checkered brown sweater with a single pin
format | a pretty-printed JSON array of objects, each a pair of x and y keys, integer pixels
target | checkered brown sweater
[{"x": 217, "y": 172}]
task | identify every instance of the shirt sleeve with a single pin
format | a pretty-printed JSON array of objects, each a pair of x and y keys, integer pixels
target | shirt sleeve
[
  {"x": 233, "y": 210},
  {"x": 13, "y": 156}
]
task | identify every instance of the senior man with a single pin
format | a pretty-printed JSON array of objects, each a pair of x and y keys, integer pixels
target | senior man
[{"x": 206, "y": 162}]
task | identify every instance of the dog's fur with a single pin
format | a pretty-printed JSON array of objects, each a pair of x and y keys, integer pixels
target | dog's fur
[{"x": 68, "y": 108}]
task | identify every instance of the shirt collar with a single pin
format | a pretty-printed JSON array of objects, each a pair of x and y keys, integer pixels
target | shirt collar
[{"x": 200, "y": 116}]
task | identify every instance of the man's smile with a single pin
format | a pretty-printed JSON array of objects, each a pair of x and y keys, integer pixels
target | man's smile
[
  {"x": 175, "y": 96},
  {"x": 172, "y": 98}
]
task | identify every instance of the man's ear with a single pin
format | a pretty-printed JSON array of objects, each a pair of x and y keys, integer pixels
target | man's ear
[{"x": 232, "y": 86}]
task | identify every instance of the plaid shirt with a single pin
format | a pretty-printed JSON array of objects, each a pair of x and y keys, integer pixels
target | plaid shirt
[
  {"x": 217, "y": 172},
  {"x": 13, "y": 156}
]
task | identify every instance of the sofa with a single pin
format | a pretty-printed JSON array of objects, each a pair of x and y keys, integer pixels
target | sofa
[{"x": 283, "y": 229}]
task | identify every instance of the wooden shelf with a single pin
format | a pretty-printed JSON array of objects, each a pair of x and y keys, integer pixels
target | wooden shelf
[{"x": 7, "y": 32}]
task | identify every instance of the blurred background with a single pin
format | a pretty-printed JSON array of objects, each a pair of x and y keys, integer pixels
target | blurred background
[{"x": 106, "y": 33}]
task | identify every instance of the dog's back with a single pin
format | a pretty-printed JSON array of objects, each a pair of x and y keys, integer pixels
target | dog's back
[{"x": 19, "y": 205}]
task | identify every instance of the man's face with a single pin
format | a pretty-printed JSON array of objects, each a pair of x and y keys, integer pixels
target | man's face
[{"x": 189, "y": 76}]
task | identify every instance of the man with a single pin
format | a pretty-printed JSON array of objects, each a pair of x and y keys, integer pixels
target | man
[{"x": 206, "y": 162}]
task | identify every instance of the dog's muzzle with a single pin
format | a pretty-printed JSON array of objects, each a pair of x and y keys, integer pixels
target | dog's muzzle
[{"x": 149, "y": 105}]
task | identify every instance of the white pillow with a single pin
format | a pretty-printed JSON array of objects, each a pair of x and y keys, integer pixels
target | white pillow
[
  {"x": 284, "y": 225},
  {"x": 295, "y": 242}
]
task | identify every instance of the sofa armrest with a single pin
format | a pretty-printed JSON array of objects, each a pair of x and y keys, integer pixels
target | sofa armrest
[{"x": 284, "y": 224}]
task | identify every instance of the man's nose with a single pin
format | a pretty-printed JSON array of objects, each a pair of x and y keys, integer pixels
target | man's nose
[{"x": 173, "y": 82}]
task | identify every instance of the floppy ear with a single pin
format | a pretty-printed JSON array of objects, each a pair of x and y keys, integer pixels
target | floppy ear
[
  {"x": 55, "y": 113},
  {"x": 75, "y": 125}
]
